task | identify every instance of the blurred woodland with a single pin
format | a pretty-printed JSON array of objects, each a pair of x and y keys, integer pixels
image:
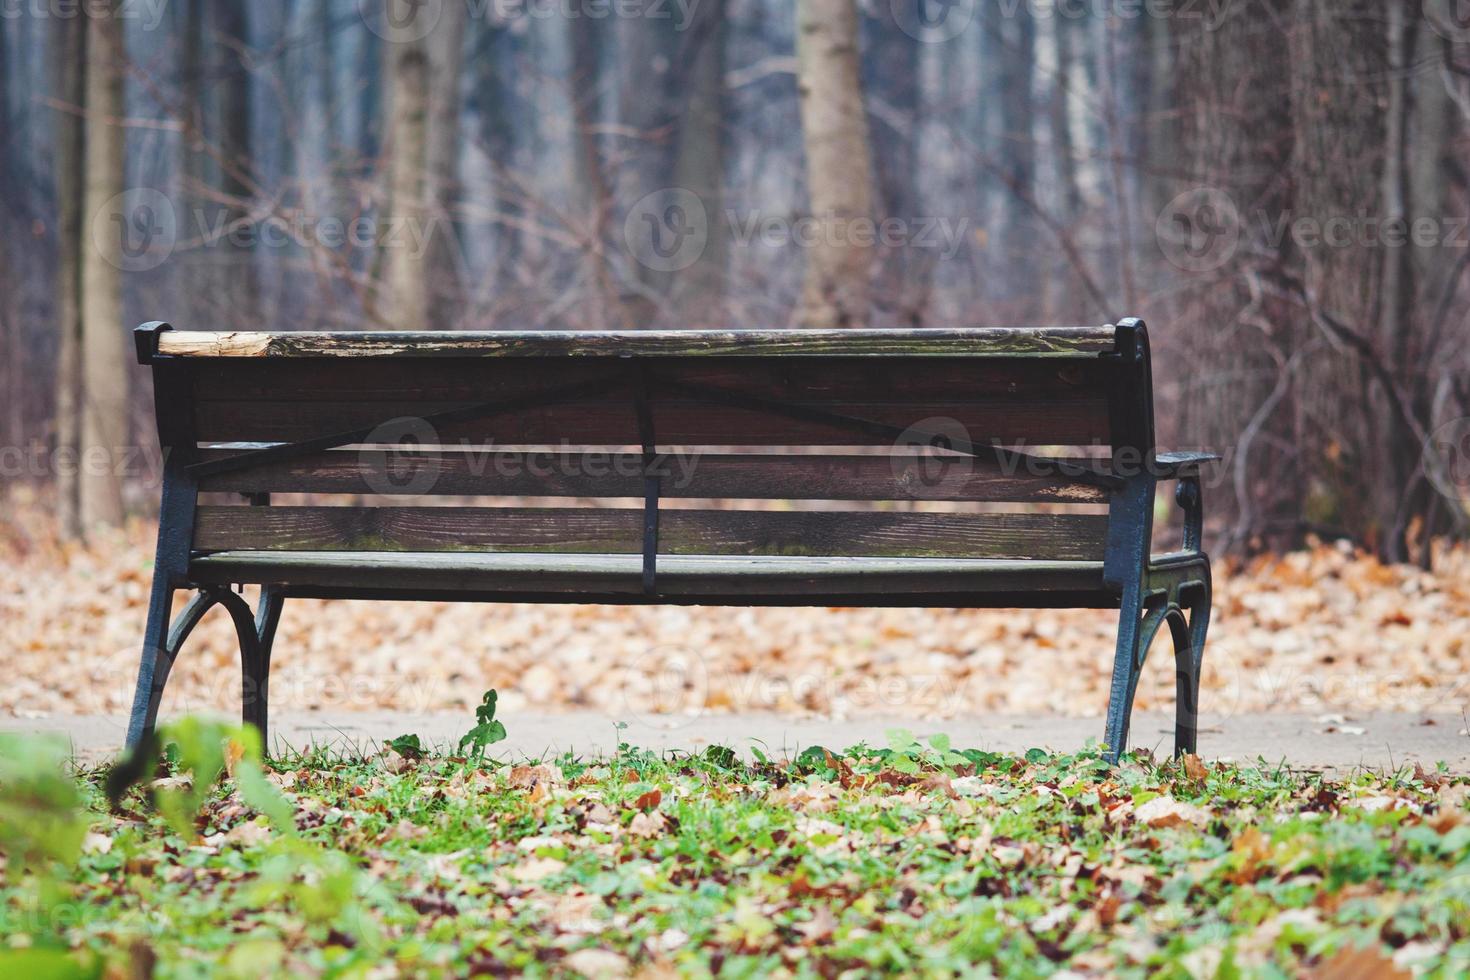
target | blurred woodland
[{"x": 1278, "y": 186}]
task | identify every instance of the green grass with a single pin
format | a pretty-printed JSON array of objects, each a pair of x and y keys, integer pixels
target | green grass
[{"x": 915, "y": 858}]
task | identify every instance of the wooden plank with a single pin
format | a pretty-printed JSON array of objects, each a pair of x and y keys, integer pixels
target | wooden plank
[
  {"x": 1060, "y": 537},
  {"x": 602, "y": 576},
  {"x": 809, "y": 379},
  {"x": 973, "y": 342},
  {"x": 900, "y": 476},
  {"x": 1078, "y": 420}
]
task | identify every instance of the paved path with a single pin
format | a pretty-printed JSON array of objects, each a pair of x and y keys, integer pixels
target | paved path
[{"x": 1371, "y": 741}]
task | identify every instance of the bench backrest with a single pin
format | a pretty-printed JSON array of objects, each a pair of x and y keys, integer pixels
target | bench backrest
[{"x": 643, "y": 424}]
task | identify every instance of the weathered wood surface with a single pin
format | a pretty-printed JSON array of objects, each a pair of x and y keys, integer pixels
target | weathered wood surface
[
  {"x": 1057, "y": 537},
  {"x": 823, "y": 379},
  {"x": 974, "y": 342},
  {"x": 1078, "y": 420},
  {"x": 899, "y": 476},
  {"x": 601, "y": 574}
]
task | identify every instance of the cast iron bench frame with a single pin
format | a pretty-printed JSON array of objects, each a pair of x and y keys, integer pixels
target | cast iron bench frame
[{"x": 1150, "y": 591}]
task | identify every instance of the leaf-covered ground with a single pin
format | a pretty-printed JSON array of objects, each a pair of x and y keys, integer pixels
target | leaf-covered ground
[
  {"x": 1318, "y": 632},
  {"x": 914, "y": 858}
]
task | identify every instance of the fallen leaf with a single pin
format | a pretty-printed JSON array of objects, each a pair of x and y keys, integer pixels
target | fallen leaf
[
  {"x": 1165, "y": 811},
  {"x": 536, "y": 869},
  {"x": 1358, "y": 964},
  {"x": 647, "y": 824},
  {"x": 597, "y": 963}
]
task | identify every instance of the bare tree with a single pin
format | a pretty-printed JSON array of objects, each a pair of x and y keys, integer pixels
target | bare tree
[
  {"x": 405, "y": 280},
  {"x": 104, "y": 401},
  {"x": 837, "y": 289},
  {"x": 70, "y": 40}
]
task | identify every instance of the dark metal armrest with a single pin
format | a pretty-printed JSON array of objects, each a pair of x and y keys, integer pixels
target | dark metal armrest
[
  {"x": 1178, "y": 466},
  {"x": 1185, "y": 468}
]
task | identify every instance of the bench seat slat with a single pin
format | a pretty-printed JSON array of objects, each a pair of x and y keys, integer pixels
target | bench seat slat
[
  {"x": 899, "y": 476},
  {"x": 616, "y": 574},
  {"x": 1063, "y": 537}
]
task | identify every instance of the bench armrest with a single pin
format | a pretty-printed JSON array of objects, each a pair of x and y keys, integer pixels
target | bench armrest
[
  {"x": 1179, "y": 466},
  {"x": 1185, "y": 468}
]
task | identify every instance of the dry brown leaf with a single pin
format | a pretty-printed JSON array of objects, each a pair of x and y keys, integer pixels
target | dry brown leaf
[
  {"x": 821, "y": 925},
  {"x": 1253, "y": 849},
  {"x": 535, "y": 869},
  {"x": 647, "y": 824},
  {"x": 1165, "y": 811},
  {"x": 1359, "y": 964},
  {"x": 597, "y": 963},
  {"x": 1286, "y": 622}
]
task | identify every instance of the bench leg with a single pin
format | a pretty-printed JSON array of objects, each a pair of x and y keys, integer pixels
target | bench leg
[
  {"x": 1189, "y": 656},
  {"x": 253, "y": 672},
  {"x": 161, "y": 645},
  {"x": 1136, "y": 632},
  {"x": 257, "y": 674}
]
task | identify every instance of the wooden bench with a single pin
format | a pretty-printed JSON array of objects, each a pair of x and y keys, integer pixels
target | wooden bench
[{"x": 893, "y": 452}]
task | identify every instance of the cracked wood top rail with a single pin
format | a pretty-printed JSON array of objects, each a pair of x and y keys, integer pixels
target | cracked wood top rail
[{"x": 1075, "y": 342}]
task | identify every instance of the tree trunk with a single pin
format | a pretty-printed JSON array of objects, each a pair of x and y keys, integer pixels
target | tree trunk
[
  {"x": 71, "y": 45},
  {"x": 603, "y": 303},
  {"x": 232, "y": 32},
  {"x": 1016, "y": 154},
  {"x": 104, "y": 365},
  {"x": 697, "y": 293},
  {"x": 1238, "y": 138},
  {"x": 1339, "y": 72},
  {"x": 837, "y": 287},
  {"x": 405, "y": 287},
  {"x": 443, "y": 257},
  {"x": 893, "y": 75},
  {"x": 1059, "y": 293}
]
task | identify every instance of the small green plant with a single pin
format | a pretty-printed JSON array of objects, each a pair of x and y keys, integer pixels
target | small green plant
[
  {"x": 201, "y": 752},
  {"x": 487, "y": 730},
  {"x": 407, "y": 746},
  {"x": 906, "y": 754}
]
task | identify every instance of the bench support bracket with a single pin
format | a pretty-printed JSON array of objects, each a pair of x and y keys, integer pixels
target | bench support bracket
[{"x": 162, "y": 642}]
